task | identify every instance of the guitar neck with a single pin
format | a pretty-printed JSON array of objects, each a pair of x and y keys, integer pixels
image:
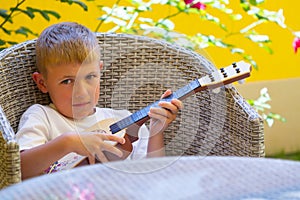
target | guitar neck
[
  {"x": 235, "y": 72},
  {"x": 142, "y": 114}
]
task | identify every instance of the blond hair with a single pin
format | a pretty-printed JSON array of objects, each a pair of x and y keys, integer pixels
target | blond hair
[{"x": 66, "y": 43}]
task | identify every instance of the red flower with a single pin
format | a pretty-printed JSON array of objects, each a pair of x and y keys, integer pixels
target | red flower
[
  {"x": 296, "y": 44},
  {"x": 198, "y": 5}
]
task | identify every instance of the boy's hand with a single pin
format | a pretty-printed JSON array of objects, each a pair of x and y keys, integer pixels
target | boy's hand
[
  {"x": 92, "y": 145},
  {"x": 163, "y": 116}
]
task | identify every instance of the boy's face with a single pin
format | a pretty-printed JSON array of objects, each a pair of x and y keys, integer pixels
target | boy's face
[{"x": 73, "y": 88}]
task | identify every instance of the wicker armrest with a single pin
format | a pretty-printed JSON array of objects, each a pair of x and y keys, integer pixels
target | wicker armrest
[{"x": 10, "y": 172}]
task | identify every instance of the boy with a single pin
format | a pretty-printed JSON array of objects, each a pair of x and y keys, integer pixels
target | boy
[{"x": 68, "y": 62}]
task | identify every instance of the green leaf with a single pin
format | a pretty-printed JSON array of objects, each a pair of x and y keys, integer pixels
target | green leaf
[
  {"x": 66, "y": 1},
  {"x": 53, "y": 13},
  {"x": 81, "y": 4},
  {"x": 268, "y": 49},
  {"x": 181, "y": 6},
  {"x": 236, "y": 17},
  {"x": 256, "y": 2},
  {"x": 250, "y": 102},
  {"x": 249, "y": 59},
  {"x": 276, "y": 116},
  {"x": 193, "y": 11},
  {"x": 166, "y": 24},
  {"x": 261, "y": 17},
  {"x": 237, "y": 50},
  {"x": 253, "y": 2},
  {"x": 28, "y": 12},
  {"x": 259, "y": 38},
  {"x": 106, "y": 9},
  {"x": 44, "y": 13},
  {"x": 270, "y": 117},
  {"x": 260, "y": 104},
  {"x": 12, "y": 42},
  {"x": 8, "y": 32},
  {"x": 268, "y": 120},
  {"x": 222, "y": 26},
  {"x": 245, "y": 6},
  {"x": 116, "y": 21},
  {"x": 4, "y": 15},
  {"x": 23, "y": 31},
  {"x": 2, "y": 42},
  {"x": 215, "y": 20},
  {"x": 147, "y": 20}
]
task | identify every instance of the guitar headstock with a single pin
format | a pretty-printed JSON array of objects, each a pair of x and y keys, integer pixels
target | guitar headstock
[{"x": 235, "y": 72}]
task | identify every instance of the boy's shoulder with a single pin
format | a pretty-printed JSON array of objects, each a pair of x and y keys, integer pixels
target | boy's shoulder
[
  {"x": 36, "y": 113},
  {"x": 38, "y": 108}
]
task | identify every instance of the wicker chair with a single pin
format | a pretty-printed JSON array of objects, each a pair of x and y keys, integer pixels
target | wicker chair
[{"x": 137, "y": 70}]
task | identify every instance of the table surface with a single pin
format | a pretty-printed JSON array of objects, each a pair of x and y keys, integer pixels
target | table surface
[{"x": 190, "y": 177}]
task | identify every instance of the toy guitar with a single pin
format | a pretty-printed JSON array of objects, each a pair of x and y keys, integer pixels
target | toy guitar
[{"x": 235, "y": 72}]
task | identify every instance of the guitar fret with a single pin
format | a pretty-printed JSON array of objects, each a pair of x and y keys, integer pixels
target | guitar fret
[
  {"x": 186, "y": 89},
  {"x": 120, "y": 125}
]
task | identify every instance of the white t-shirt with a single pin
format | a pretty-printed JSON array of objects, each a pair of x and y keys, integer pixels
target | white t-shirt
[{"x": 41, "y": 124}]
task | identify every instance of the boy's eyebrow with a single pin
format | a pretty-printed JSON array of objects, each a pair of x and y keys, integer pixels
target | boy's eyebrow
[
  {"x": 71, "y": 76},
  {"x": 68, "y": 76}
]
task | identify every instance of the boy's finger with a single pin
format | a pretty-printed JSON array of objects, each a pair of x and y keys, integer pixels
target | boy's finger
[
  {"x": 158, "y": 111},
  {"x": 115, "y": 138},
  {"x": 162, "y": 116},
  {"x": 166, "y": 93},
  {"x": 177, "y": 103},
  {"x": 169, "y": 106},
  {"x": 91, "y": 160},
  {"x": 112, "y": 149},
  {"x": 101, "y": 157}
]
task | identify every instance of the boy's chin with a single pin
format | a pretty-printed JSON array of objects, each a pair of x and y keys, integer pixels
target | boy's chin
[{"x": 82, "y": 115}]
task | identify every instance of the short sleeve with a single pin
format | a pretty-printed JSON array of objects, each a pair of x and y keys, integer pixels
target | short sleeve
[{"x": 33, "y": 128}]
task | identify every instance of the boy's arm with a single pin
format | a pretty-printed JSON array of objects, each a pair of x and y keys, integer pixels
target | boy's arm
[
  {"x": 37, "y": 159},
  {"x": 160, "y": 118},
  {"x": 156, "y": 145}
]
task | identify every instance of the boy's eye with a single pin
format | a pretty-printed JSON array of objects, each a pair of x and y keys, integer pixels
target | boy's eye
[
  {"x": 66, "y": 82},
  {"x": 91, "y": 76}
]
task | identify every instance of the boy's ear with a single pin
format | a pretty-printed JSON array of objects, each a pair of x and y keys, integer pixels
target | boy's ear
[
  {"x": 40, "y": 81},
  {"x": 101, "y": 65}
]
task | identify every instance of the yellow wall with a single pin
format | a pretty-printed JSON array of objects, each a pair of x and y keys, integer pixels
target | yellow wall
[
  {"x": 284, "y": 63},
  {"x": 281, "y": 137}
]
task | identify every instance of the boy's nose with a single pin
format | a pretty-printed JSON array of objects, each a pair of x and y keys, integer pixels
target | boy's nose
[{"x": 80, "y": 90}]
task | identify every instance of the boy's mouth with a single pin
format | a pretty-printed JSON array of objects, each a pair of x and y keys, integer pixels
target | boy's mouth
[{"x": 80, "y": 104}]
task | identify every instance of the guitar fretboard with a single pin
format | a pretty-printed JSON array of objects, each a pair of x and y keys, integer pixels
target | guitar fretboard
[{"x": 143, "y": 113}]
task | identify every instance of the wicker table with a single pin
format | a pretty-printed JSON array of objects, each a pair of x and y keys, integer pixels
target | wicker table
[{"x": 168, "y": 178}]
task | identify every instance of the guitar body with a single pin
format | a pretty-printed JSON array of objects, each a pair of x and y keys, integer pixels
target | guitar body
[{"x": 126, "y": 148}]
